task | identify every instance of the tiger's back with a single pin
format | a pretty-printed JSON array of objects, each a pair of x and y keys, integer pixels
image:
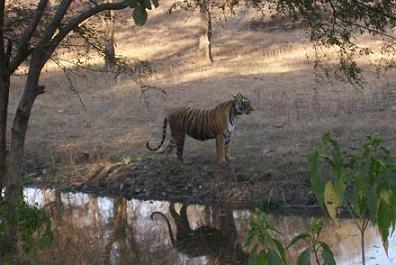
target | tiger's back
[{"x": 200, "y": 124}]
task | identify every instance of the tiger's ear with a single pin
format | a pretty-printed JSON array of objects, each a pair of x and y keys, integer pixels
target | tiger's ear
[{"x": 238, "y": 96}]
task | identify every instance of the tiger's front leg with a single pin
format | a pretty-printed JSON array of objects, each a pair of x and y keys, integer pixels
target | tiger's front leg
[
  {"x": 227, "y": 149},
  {"x": 220, "y": 149}
]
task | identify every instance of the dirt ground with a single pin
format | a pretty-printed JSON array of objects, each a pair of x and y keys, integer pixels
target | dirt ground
[{"x": 101, "y": 149}]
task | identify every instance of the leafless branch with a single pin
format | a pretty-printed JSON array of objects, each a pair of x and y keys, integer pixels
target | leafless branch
[
  {"x": 55, "y": 21},
  {"x": 93, "y": 2},
  {"x": 23, "y": 49}
]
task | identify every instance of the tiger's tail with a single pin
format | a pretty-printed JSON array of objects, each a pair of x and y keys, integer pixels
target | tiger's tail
[{"x": 163, "y": 137}]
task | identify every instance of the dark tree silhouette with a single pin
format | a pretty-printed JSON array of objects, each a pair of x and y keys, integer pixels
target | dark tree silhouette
[{"x": 41, "y": 32}]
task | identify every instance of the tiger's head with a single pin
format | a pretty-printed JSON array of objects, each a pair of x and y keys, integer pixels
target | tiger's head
[{"x": 242, "y": 104}]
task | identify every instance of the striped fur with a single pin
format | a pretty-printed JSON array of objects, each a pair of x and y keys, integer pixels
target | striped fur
[{"x": 217, "y": 123}]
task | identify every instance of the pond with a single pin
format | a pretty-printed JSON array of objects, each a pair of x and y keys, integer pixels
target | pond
[{"x": 104, "y": 230}]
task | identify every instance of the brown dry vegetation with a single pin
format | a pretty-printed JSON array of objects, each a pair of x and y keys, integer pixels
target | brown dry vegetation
[{"x": 102, "y": 148}]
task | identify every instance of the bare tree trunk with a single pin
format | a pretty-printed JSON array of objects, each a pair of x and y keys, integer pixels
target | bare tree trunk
[
  {"x": 18, "y": 133},
  {"x": 4, "y": 95},
  {"x": 5, "y": 54},
  {"x": 205, "y": 40},
  {"x": 109, "y": 50}
]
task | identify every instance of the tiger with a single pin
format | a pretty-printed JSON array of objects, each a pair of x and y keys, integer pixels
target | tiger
[
  {"x": 217, "y": 123},
  {"x": 223, "y": 243}
]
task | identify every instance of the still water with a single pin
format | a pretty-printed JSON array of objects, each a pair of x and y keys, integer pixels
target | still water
[{"x": 104, "y": 230}]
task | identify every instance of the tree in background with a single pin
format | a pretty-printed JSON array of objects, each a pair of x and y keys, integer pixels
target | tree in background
[
  {"x": 109, "y": 43},
  {"x": 205, "y": 41},
  {"x": 330, "y": 23},
  {"x": 337, "y": 24},
  {"x": 205, "y": 38}
]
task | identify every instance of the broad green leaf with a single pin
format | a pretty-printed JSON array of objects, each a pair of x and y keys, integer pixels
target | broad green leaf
[
  {"x": 301, "y": 236},
  {"x": 372, "y": 203},
  {"x": 281, "y": 250},
  {"x": 384, "y": 220},
  {"x": 132, "y": 3},
  {"x": 262, "y": 258},
  {"x": 386, "y": 196},
  {"x": 328, "y": 256},
  {"x": 305, "y": 257},
  {"x": 331, "y": 200},
  {"x": 139, "y": 15},
  {"x": 339, "y": 188},
  {"x": 386, "y": 245},
  {"x": 273, "y": 258},
  {"x": 155, "y": 3},
  {"x": 354, "y": 199}
]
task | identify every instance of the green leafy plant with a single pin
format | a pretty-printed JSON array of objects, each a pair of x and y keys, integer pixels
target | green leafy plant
[
  {"x": 321, "y": 251},
  {"x": 363, "y": 183},
  {"x": 267, "y": 250},
  {"x": 33, "y": 228}
]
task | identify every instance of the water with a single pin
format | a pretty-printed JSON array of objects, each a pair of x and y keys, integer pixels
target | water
[{"x": 103, "y": 230}]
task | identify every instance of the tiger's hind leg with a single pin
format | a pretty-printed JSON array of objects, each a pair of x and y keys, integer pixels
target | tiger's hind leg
[
  {"x": 170, "y": 147},
  {"x": 177, "y": 141}
]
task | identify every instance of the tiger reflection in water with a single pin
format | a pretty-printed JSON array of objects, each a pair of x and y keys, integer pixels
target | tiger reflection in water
[{"x": 204, "y": 240}]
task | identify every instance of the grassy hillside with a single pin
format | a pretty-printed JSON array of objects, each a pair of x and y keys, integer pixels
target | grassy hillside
[{"x": 268, "y": 59}]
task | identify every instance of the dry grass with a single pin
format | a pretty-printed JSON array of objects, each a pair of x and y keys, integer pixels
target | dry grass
[{"x": 269, "y": 66}]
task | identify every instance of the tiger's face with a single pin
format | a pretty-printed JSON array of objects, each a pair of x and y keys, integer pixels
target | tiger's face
[{"x": 242, "y": 105}]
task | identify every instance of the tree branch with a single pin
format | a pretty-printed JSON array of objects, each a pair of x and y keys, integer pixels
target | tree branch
[
  {"x": 55, "y": 21},
  {"x": 74, "y": 22},
  {"x": 93, "y": 2},
  {"x": 23, "y": 49},
  {"x": 376, "y": 10},
  {"x": 70, "y": 81}
]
